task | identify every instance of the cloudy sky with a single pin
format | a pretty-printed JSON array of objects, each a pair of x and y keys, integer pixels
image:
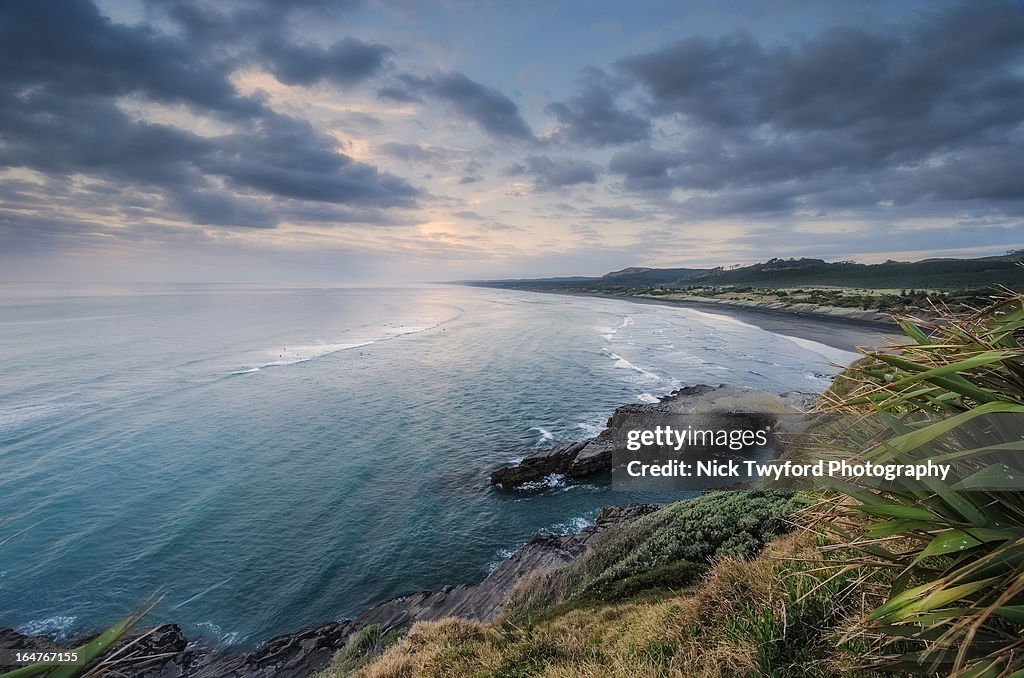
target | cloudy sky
[{"x": 344, "y": 140}]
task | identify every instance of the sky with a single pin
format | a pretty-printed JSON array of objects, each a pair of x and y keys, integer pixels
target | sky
[{"x": 351, "y": 141}]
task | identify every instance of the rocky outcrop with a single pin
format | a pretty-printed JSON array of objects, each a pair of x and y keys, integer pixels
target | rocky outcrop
[
  {"x": 539, "y": 465},
  {"x": 723, "y": 404},
  {"x": 164, "y": 651}
]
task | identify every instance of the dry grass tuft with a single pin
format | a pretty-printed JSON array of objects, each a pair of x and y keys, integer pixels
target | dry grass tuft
[{"x": 774, "y": 615}]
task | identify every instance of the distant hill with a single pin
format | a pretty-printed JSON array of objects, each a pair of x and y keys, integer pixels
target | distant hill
[
  {"x": 939, "y": 274},
  {"x": 928, "y": 273},
  {"x": 653, "y": 276}
]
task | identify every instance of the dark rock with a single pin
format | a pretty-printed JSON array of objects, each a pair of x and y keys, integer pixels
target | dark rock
[
  {"x": 538, "y": 465},
  {"x": 294, "y": 655},
  {"x": 161, "y": 643},
  {"x": 721, "y": 406}
]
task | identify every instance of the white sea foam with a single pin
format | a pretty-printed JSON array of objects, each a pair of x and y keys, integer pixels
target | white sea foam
[
  {"x": 624, "y": 364},
  {"x": 224, "y": 638},
  {"x": 720, "y": 319},
  {"x": 822, "y": 381},
  {"x": 59, "y": 627},
  {"x": 647, "y": 398},
  {"x": 292, "y": 355},
  {"x": 591, "y": 428},
  {"x": 547, "y": 482},
  {"x": 500, "y": 555},
  {"x": 831, "y": 353},
  {"x": 545, "y": 435},
  {"x": 571, "y": 526}
]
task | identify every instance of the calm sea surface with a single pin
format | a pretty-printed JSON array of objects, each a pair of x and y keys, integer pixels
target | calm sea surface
[{"x": 273, "y": 457}]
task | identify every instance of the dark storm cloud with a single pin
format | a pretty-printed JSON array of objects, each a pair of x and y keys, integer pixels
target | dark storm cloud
[
  {"x": 494, "y": 112},
  {"x": 62, "y": 74},
  {"x": 76, "y": 52},
  {"x": 932, "y": 112},
  {"x": 593, "y": 117},
  {"x": 551, "y": 173},
  {"x": 237, "y": 21},
  {"x": 260, "y": 27},
  {"x": 398, "y": 94},
  {"x": 286, "y": 157},
  {"x": 645, "y": 168},
  {"x": 346, "y": 62},
  {"x": 215, "y": 208}
]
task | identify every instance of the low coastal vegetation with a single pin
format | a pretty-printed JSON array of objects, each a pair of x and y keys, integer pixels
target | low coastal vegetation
[
  {"x": 851, "y": 580},
  {"x": 929, "y": 287},
  {"x": 773, "y": 615},
  {"x": 911, "y": 302},
  {"x": 662, "y": 551}
]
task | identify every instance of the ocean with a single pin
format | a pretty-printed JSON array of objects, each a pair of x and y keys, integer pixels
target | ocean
[{"x": 268, "y": 458}]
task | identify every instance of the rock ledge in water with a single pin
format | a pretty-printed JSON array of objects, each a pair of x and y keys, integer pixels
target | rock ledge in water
[{"x": 594, "y": 455}]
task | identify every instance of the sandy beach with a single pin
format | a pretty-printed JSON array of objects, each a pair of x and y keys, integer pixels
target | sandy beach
[{"x": 847, "y": 334}]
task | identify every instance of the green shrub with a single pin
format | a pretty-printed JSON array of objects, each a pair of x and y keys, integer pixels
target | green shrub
[
  {"x": 673, "y": 547},
  {"x": 664, "y": 551}
]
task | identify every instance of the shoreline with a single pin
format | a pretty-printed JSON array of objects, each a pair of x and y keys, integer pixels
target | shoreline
[
  {"x": 846, "y": 334},
  {"x": 306, "y": 650}
]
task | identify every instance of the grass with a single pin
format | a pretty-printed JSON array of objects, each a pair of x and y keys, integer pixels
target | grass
[
  {"x": 369, "y": 642},
  {"x": 704, "y": 587},
  {"x": 773, "y": 615},
  {"x": 955, "y": 392}
]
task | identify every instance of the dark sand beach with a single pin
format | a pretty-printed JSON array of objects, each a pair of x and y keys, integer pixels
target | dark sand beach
[{"x": 847, "y": 334}]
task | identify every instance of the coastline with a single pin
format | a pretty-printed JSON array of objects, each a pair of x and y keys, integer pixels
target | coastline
[
  {"x": 310, "y": 649},
  {"x": 840, "y": 332}
]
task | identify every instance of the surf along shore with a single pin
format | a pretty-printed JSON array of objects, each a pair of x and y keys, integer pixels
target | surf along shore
[{"x": 838, "y": 331}]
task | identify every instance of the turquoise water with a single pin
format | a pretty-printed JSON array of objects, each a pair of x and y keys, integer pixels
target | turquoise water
[{"x": 271, "y": 458}]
